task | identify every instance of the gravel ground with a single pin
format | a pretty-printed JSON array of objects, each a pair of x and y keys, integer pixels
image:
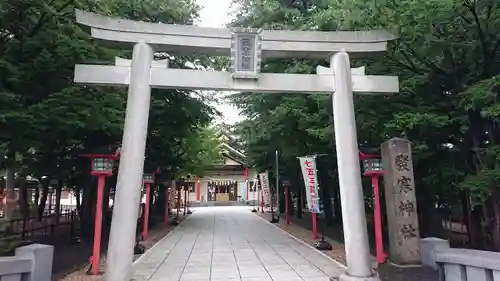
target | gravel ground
[{"x": 301, "y": 228}]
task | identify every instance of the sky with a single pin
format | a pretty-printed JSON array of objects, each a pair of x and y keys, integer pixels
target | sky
[{"x": 215, "y": 13}]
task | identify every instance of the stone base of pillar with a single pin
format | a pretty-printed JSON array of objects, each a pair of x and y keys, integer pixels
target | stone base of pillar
[{"x": 345, "y": 277}]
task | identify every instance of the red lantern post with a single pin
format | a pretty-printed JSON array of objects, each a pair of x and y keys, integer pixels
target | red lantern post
[
  {"x": 102, "y": 167},
  {"x": 148, "y": 180},
  {"x": 373, "y": 168}
]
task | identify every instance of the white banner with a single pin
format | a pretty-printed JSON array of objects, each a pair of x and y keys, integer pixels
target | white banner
[
  {"x": 264, "y": 183},
  {"x": 308, "y": 167}
]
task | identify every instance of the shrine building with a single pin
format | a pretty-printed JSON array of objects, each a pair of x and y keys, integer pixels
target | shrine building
[{"x": 225, "y": 183}]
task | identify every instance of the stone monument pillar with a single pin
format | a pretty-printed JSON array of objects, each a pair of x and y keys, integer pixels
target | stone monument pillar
[{"x": 401, "y": 203}]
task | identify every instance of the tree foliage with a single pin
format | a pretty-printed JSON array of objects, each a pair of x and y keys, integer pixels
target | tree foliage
[
  {"x": 448, "y": 60},
  {"x": 202, "y": 150},
  {"x": 47, "y": 121}
]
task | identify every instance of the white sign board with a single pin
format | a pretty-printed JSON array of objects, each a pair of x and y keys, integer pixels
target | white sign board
[
  {"x": 264, "y": 183},
  {"x": 308, "y": 167}
]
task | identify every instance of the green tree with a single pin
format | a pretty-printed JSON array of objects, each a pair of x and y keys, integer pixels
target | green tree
[
  {"x": 202, "y": 150},
  {"x": 447, "y": 60},
  {"x": 46, "y": 120}
]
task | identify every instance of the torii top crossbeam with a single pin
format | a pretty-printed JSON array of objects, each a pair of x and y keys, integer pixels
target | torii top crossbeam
[
  {"x": 187, "y": 39},
  {"x": 246, "y": 47}
]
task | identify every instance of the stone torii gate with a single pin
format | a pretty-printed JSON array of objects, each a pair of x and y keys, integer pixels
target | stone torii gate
[{"x": 246, "y": 47}]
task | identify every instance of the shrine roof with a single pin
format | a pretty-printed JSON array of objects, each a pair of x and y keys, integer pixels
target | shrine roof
[{"x": 234, "y": 154}]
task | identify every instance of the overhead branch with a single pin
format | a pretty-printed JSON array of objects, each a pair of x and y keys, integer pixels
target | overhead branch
[
  {"x": 424, "y": 61},
  {"x": 45, "y": 18},
  {"x": 472, "y": 7}
]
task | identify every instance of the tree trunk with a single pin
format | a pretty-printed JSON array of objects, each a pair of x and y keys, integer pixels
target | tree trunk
[
  {"x": 23, "y": 203},
  {"x": 88, "y": 210},
  {"x": 78, "y": 199},
  {"x": 159, "y": 206},
  {"x": 327, "y": 204},
  {"x": 429, "y": 218},
  {"x": 291, "y": 210},
  {"x": 496, "y": 219},
  {"x": 476, "y": 228},
  {"x": 51, "y": 200},
  {"x": 43, "y": 199},
  {"x": 58, "y": 200},
  {"x": 151, "y": 205},
  {"x": 37, "y": 198},
  {"x": 23, "y": 197},
  {"x": 299, "y": 203},
  {"x": 10, "y": 193},
  {"x": 106, "y": 209},
  {"x": 467, "y": 217},
  {"x": 487, "y": 225},
  {"x": 106, "y": 194},
  {"x": 337, "y": 205}
]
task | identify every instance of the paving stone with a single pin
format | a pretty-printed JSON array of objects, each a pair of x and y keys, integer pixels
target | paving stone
[{"x": 231, "y": 244}]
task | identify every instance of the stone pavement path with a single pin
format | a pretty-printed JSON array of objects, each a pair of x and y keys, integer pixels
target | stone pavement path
[{"x": 231, "y": 243}]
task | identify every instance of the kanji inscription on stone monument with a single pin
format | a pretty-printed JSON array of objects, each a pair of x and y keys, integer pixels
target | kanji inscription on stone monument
[
  {"x": 401, "y": 162},
  {"x": 408, "y": 231},
  {"x": 404, "y": 184},
  {"x": 246, "y": 44},
  {"x": 404, "y": 238},
  {"x": 406, "y": 208}
]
